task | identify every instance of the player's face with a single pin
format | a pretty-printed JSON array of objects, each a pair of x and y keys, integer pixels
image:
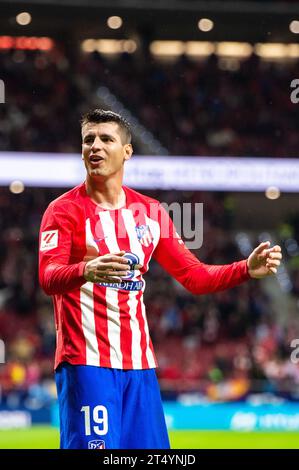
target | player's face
[{"x": 103, "y": 150}]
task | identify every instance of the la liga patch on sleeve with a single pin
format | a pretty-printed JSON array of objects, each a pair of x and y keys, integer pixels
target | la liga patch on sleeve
[{"x": 49, "y": 240}]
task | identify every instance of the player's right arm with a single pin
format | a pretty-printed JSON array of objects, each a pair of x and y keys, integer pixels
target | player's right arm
[
  {"x": 56, "y": 274},
  {"x": 57, "y": 271}
]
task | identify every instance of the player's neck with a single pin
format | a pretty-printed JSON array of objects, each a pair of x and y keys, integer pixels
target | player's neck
[{"x": 108, "y": 194}]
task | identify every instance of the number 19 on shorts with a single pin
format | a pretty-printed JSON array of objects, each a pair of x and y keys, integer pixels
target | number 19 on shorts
[{"x": 98, "y": 422}]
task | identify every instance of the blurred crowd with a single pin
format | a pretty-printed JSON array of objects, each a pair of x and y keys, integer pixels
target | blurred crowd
[
  {"x": 222, "y": 346},
  {"x": 204, "y": 107}
]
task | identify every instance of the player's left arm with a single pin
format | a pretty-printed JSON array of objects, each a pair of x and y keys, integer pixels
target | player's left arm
[{"x": 201, "y": 278}]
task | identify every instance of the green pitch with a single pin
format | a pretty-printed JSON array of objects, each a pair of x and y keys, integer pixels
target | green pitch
[{"x": 44, "y": 437}]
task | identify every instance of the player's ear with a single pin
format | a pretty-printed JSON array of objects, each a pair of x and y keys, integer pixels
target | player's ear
[{"x": 128, "y": 151}]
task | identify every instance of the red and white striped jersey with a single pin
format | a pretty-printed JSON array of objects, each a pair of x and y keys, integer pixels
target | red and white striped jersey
[{"x": 106, "y": 325}]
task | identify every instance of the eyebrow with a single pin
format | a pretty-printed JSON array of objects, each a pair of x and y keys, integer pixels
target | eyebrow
[{"x": 92, "y": 134}]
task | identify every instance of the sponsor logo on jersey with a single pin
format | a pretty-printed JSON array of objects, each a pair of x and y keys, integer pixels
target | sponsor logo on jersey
[
  {"x": 127, "y": 284},
  {"x": 133, "y": 260},
  {"x": 144, "y": 234},
  {"x": 123, "y": 285},
  {"x": 96, "y": 444},
  {"x": 49, "y": 240}
]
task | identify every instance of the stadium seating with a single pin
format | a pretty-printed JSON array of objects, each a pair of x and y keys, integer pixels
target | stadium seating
[{"x": 192, "y": 107}]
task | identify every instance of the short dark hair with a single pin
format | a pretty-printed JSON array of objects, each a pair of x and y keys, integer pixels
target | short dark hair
[{"x": 100, "y": 115}]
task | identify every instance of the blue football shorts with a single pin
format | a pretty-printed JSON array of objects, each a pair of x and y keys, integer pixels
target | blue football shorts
[{"x": 103, "y": 408}]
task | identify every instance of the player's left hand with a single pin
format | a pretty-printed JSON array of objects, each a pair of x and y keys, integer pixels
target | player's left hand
[{"x": 264, "y": 261}]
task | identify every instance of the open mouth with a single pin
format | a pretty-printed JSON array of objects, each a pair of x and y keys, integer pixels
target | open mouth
[{"x": 95, "y": 160}]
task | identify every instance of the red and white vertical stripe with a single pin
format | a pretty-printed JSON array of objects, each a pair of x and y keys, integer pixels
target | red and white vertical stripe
[
  {"x": 87, "y": 307},
  {"x": 114, "y": 321}
]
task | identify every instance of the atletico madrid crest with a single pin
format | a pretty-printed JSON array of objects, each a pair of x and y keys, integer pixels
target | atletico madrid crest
[{"x": 144, "y": 234}]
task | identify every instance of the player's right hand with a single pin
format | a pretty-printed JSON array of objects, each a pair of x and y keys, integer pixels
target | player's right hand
[{"x": 111, "y": 267}]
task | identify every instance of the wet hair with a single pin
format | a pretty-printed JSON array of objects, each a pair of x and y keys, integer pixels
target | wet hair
[{"x": 100, "y": 115}]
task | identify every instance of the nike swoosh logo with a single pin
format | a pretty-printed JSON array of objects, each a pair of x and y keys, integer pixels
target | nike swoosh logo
[{"x": 99, "y": 239}]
